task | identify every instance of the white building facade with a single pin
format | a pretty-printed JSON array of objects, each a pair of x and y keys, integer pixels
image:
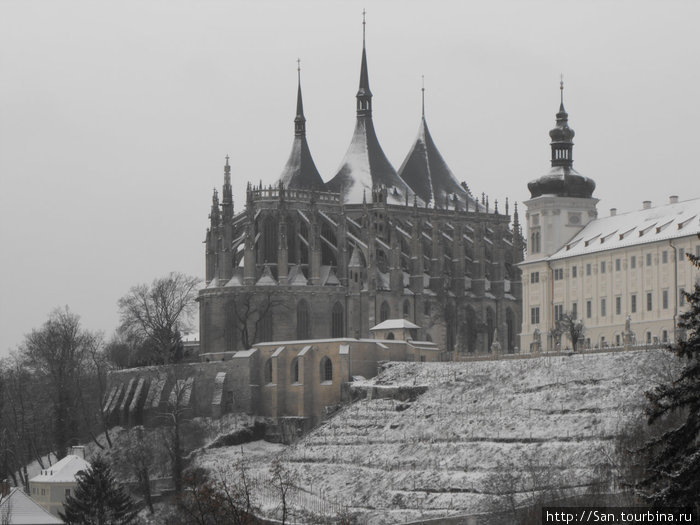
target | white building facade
[{"x": 622, "y": 275}]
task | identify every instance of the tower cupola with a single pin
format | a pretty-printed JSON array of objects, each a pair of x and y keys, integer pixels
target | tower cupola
[
  {"x": 562, "y": 180},
  {"x": 364, "y": 95}
]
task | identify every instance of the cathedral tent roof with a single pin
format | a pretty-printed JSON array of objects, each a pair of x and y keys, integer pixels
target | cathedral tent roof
[
  {"x": 428, "y": 175},
  {"x": 365, "y": 165},
  {"x": 300, "y": 171}
]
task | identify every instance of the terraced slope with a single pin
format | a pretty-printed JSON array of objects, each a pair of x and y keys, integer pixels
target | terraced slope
[{"x": 433, "y": 439}]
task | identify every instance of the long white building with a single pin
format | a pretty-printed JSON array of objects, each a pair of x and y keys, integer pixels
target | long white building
[{"x": 620, "y": 274}]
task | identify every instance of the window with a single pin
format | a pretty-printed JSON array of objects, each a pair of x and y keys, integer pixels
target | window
[
  {"x": 633, "y": 303},
  {"x": 574, "y": 272},
  {"x": 268, "y": 371},
  {"x": 326, "y": 370},
  {"x": 534, "y": 277},
  {"x": 618, "y": 265},
  {"x": 649, "y": 302},
  {"x": 426, "y": 308},
  {"x": 67, "y": 492},
  {"x": 559, "y": 312},
  {"x": 589, "y": 309},
  {"x": 697, "y": 251},
  {"x": 574, "y": 310},
  {"x": 618, "y": 305},
  {"x": 633, "y": 261},
  {"x": 535, "y": 315},
  {"x": 295, "y": 371},
  {"x": 602, "y": 267},
  {"x": 681, "y": 254},
  {"x": 558, "y": 274},
  {"x": 681, "y": 297},
  {"x": 337, "y": 321},
  {"x": 406, "y": 309},
  {"x": 588, "y": 269},
  {"x": 648, "y": 259},
  {"x": 664, "y": 299},
  {"x": 617, "y": 339},
  {"x": 664, "y": 336},
  {"x": 303, "y": 320},
  {"x": 648, "y": 338},
  {"x": 43, "y": 492},
  {"x": 664, "y": 256},
  {"x": 384, "y": 312},
  {"x": 602, "y": 307}
]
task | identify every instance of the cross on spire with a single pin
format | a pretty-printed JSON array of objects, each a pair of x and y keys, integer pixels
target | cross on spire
[
  {"x": 561, "y": 87},
  {"x": 364, "y": 22},
  {"x": 422, "y": 77}
]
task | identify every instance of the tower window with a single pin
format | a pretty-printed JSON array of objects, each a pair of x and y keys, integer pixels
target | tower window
[
  {"x": 295, "y": 371},
  {"x": 649, "y": 302},
  {"x": 268, "y": 371},
  {"x": 406, "y": 309},
  {"x": 633, "y": 303}
]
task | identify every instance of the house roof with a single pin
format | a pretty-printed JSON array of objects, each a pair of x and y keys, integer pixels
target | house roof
[
  {"x": 62, "y": 472},
  {"x": 661, "y": 223},
  {"x": 23, "y": 510},
  {"x": 394, "y": 324}
]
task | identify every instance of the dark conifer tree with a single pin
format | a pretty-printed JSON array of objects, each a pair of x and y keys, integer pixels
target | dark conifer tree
[
  {"x": 673, "y": 458},
  {"x": 98, "y": 499}
]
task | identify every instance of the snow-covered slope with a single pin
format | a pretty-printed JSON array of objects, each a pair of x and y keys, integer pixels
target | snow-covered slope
[{"x": 439, "y": 453}]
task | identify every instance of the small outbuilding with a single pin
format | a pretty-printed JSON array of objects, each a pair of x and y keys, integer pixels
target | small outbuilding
[
  {"x": 16, "y": 508},
  {"x": 401, "y": 329}
]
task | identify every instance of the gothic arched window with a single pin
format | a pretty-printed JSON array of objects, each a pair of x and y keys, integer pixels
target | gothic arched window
[
  {"x": 268, "y": 371},
  {"x": 295, "y": 371},
  {"x": 269, "y": 239},
  {"x": 264, "y": 332},
  {"x": 384, "y": 312},
  {"x": 303, "y": 331},
  {"x": 406, "y": 309},
  {"x": 326, "y": 369},
  {"x": 337, "y": 321}
]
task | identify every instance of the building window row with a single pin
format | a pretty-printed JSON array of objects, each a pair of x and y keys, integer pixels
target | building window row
[
  {"x": 326, "y": 370},
  {"x": 534, "y": 277}
]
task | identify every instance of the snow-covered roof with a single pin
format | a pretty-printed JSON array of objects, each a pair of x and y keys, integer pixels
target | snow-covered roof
[
  {"x": 666, "y": 222},
  {"x": 394, "y": 324},
  {"x": 23, "y": 510},
  {"x": 62, "y": 472}
]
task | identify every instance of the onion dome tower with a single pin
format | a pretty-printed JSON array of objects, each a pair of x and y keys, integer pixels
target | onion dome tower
[
  {"x": 562, "y": 180},
  {"x": 300, "y": 171},
  {"x": 562, "y": 201},
  {"x": 429, "y": 176},
  {"x": 365, "y": 165}
]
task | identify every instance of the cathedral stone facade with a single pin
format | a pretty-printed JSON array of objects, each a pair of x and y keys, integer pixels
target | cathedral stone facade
[{"x": 308, "y": 259}]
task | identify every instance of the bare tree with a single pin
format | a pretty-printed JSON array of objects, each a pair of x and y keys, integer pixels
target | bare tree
[
  {"x": 283, "y": 481},
  {"x": 159, "y": 313},
  {"x": 252, "y": 310},
  {"x": 57, "y": 352},
  {"x": 572, "y": 327},
  {"x": 135, "y": 455}
]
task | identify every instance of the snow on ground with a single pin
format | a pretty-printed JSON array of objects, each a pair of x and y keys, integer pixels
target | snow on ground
[{"x": 437, "y": 455}]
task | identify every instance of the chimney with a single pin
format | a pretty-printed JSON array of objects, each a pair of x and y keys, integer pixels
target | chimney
[
  {"x": 613, "y": 212},
  {"x": 4, "y": 488},
  {"x": 78, "y": 451},
  {"x": 646, "y": 205},
  {"x": 673, "y": 199}
]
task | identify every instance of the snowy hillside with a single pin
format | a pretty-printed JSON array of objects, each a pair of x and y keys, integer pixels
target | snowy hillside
[{"x": 458, "y": 429}]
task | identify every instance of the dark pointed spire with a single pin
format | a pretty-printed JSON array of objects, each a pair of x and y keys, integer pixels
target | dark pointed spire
[
  {"x": 365, "y": 165},
  {"x": 299, "y": 120},
  {"x": 364, "y": 95},
  {"x": 228, "y": 195},
  {"x": 300, "y": 171}
]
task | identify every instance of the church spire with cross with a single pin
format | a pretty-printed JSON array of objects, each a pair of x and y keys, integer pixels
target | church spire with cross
[
  {"x": 365, "y": 166},
  {"x": 300, "y": 171}
]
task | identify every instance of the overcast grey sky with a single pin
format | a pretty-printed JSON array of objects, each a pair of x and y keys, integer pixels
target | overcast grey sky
[{"x": 115, "y": 117}]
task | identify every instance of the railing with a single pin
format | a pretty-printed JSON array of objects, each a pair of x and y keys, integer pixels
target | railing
[{"x": 266, "y": 194}]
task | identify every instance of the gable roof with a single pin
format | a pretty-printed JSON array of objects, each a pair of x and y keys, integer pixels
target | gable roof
[
  {"x": 394, "y": 324},
  {"x": 23, "y": 510},
  {"x": 62, "y": 472},
  {"x": 670, "y": 221}
]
